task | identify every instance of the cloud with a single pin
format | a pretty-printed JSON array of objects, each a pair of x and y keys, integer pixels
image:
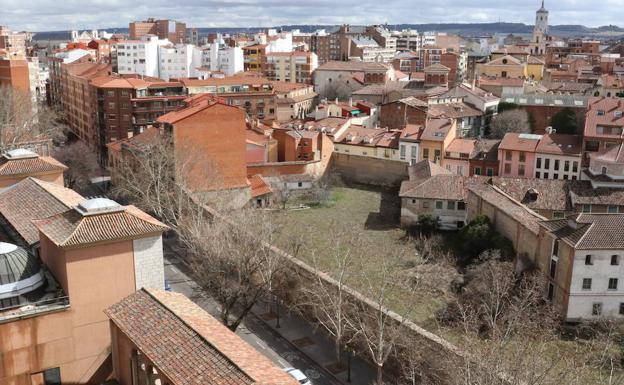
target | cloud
[{"x": 46, "y": 15}]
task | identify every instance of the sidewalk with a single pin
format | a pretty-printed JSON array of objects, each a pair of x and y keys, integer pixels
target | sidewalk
[{"x": 313, "y": 343}]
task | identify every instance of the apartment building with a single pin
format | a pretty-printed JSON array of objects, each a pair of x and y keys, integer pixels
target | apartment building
[
  {"x": 604, "y": 126},
  {"x": 581, "y": 257},
  {"x": 216, "y": 57},
  {"x": 370, "y": 142},
  {"x": 255, "y": 58},
  {"x": 14, "y": 43},
  {"x": 366, "y": 49},
  {"x": 558, "y": 156},
  {"x": 294, "y": 67},
  {"x": 294, "y": 100},
  {"x": 407, "y": 40},
  {"x": 516, "y": 154},
  {"x": 254, "y": 94},
  {"x": 171, "y": 30}
]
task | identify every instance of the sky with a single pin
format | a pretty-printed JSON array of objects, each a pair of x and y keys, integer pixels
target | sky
[{"x": 51, "y": 15}]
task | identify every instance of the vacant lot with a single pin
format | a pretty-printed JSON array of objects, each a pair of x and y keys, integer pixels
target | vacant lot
[{"x": 370, "y": 219}]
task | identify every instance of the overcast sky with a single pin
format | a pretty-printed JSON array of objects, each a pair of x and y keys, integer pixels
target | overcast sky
[{"x": 47, "y": 15}]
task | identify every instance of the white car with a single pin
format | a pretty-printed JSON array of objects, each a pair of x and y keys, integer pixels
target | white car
[{"x": 298, "y": 375}]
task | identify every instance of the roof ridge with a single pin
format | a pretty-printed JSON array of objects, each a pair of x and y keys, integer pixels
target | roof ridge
[
  {"x": 589, "y": 225},
  {"x": 148, "y": 292},
  {"x": 38, "y": 182}
]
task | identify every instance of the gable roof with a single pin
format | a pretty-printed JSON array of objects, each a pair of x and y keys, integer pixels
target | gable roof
[
  {"x": 188, "y": 345},
  {"x": 589, "y": 231},
  {"x": 71, "y": 228},
  {"x": 194, "y": 105},
  {"x": 29, "y": 166},
  {"x": 259, "y": 186},
  {"x": 32, "y": 199}
]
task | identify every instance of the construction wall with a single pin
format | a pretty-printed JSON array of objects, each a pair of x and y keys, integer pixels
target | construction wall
[{"x": 368, "y": 170}]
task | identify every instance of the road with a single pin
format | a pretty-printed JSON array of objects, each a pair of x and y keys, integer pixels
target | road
[{"x": 254, "y": 330}]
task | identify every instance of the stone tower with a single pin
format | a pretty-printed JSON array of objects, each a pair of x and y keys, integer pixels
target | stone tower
[{"x": 541, "y": 20}]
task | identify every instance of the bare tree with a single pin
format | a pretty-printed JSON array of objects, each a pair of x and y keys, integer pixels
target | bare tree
[
  {"x": 81, "y": 162},
  {"x": 231, "y": 261},
  {"x": 22, "y": 120},
  {"x": 327, "y": 298},
  {"x": 381, "y": 330},
  {"x": 515, "y": 121},
  {"x": 281, "y": 193}
]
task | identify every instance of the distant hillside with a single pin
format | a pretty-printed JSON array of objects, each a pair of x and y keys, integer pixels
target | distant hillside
[{"x": 466, "y": 29}]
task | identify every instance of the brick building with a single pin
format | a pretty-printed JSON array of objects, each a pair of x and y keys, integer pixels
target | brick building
[
  {"x": 173, "y": 30},
  {"x": 14, "y": 74}
]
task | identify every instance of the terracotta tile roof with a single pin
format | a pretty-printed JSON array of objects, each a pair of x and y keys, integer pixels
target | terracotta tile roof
[
  {"x": 486, "y": 149},
  {"x": 259, "y": 186},
  {"x": 510, "y": 207},
  {"x": 437, "y": 68},
  {"x": 195, "y": 104},
  {"x": 413, "y": 102},
  {"x": 614, "y": 154},
  {"x": 560, "y": 144},
  {"x": 439, "y": 186},
  {"x": 32, "y": 199},
  {"x": 370, "y": 137},
  {"x": 72, "y": 228},
  {"x": 551, "y": 193},
  {"x": 425, "y": 169},
  {"x": 238, "y": 79},
  {"x": 452, "y": 110},
  {"x": 582, "y": 192},
  {"x": 436, "y": 129},
  {"x": 461, "y": 145},
  {"x": 411, "y": 132},
  {"x": 519, "y": 142},
  {"x": 602, "y": 112},
  {"x": 281, "y": 86},
  {"x": 188, "y": 345},
  {"x": 505, "y": 82},
  {"x": 29, "y": 166},
  {"x": 352, "y": 66},
  {"x": 590, "y": 231}
]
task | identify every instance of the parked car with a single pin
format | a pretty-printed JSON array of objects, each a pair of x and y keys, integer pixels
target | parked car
[{"x": 298, "y": 375}]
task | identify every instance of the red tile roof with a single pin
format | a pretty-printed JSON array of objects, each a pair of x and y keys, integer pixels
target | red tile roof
[
  {"x": 195, "y": 104},
  {"x": 519, "y": 142},
  {"x": 29, "y": 166},
  {"x": 560, "y": 144},
  {"x": 259, "y": 186},
  {"x": 590, "y": 231},
  {"x": 188, "y": 345},
  {"x": 602, "y": 112},
  {"x": 32, "y": 199},
  {"x": 436, "y": 129},
  {"x": 72, "y": 228}
]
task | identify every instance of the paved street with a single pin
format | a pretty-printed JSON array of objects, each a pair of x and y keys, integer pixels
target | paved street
[{"x": 294, "y": 344}]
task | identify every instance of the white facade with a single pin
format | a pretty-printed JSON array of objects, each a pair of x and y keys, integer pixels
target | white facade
[
  {"x": 228, "y": 60},
  {"x": 408, "y": 151},
  {"x": 550, "y": 166},
  {"x": 585, "y": 300},
  {"x": 140, "y": 56},
  {"x": 149, "y": 271},
  {"x": 176, "y": 61}
]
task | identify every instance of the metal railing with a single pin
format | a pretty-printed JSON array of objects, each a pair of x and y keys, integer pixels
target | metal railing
[{"x": 25, "y": 310}]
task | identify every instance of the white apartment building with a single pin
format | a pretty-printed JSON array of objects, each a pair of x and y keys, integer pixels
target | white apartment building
[
  {"x": 407, "y": 40},
  {"x": 217, "y": 57},
  {"x": 140, "y": 56},
  {"x": 583, "y": 258},
  {"x": 558, "y": 156},
  {"x": 368, "y": 50},
  {"x": 292, "y": 67},
  {"x": 409, "y": 144}
]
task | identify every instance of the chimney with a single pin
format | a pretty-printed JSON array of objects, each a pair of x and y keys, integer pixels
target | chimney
[
  {"x": 351, "y": 102},
  {"x": 336, "y": 100}
]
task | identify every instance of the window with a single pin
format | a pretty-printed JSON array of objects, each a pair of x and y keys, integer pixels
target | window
[
  {"x": 574, "y": 166},
  {"x": 612, "y": 209},
  {"x": 414, "y": 152},
  {"x": 490, "y": 171},
  {"x": 547, "y": 163},
  {"x": 110, "y": 93},
  {"x": 587, "y": 208},
  {"x": 553, "y": 268},
  {"x": 613, "y": 282},
  {"x": 437, "y": 155},
  {"x": 615, "y": 260},
  {"x": 597, "y": 308},
  {"x": 588, "y": 260},
  {"x": 545, "y": 175},
  {"x": 111, "y": 105},
  {"x": 556, "y": 247},
  {"x": 538, "y": 174},
  {"x": 521, "y": 170},
  {"x": 450, "y": 205},
  {"x": 461, "y": 206},
  {"x": 621, "y": 308},
  {"x": 402, "y": 152},
  {"x": 556, "y": 165},
  {"x": 425, "y": 204},
  {"x": 460, "y": 170},
  {"x": 566, "y": 166},
  {"x": 538, "y": 163},
  {"x": 558, "y": 215},
  {"x": 507, "y": 168},
  {"x": 522, "y": 156},
  {"x": 52, "y": 376},
  {"x": 299, "y": 184},
  {"x": 507, "y": 155},
  {"x": 555, "y": 176},
  {"x": 425, "y": 153},
  {"x": 477, "y": 170},
  {"x": 439, "y": 205},
  {"x": 587, "y": 283}
]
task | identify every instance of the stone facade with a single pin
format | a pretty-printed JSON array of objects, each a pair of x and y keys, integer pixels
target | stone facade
[{"x": 149, "y": 268}]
